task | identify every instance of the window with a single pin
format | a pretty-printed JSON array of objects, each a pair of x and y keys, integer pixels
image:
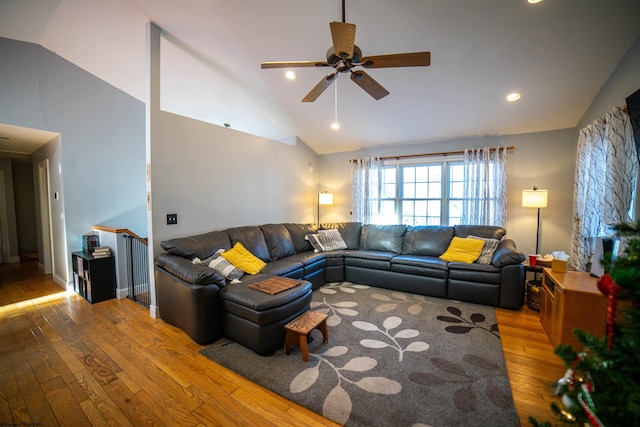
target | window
[{"x": 425, "y": 194}]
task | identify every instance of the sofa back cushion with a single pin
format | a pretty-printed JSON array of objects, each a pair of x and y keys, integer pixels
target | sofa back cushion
[
  {"x": 486, "y": 231},
  {"x": 252, "y": 239},
  {"x": 387, "y": 238},
  {"x": 427, "y": 240},
  {"x": 350, "y": 232},
  {"x": 278, "y": 240},
  {"x": 297, "y": 233},
  {"x": 201, "y": 245}
]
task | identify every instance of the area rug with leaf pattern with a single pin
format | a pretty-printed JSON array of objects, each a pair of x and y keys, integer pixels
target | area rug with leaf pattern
[{"x": 393, "y": 359}]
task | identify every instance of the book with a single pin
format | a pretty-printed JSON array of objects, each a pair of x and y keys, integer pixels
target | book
[
  {"x": 101, "y": 252},
  {"x": 102, "y": 255}
]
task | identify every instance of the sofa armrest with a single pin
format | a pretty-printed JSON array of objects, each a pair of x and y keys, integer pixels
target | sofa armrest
[
  {"x": 507, "y": 254},
  {"x": 184, "y": 269}
]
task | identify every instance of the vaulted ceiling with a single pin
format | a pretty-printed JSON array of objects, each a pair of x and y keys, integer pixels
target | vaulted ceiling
[{"x": 557, "y": 54}]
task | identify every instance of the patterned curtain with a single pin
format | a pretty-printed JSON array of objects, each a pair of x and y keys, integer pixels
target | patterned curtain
[
  {"x": 606, "y": 170},
  {"x": 365, "y": 193},
  {"x": 485, "y": 190}
]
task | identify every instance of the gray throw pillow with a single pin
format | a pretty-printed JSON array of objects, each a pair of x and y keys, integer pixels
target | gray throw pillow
[
  {"x": 326, "y": 240},
  {"x": 490, "y": 246},
  {"x": 224, "y": 267}
]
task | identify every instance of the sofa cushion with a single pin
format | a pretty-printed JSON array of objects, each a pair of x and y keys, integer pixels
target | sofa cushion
[
  {"x": 463, "y": 250},
  {"x": 507, "y": 254},
  {"x": 306, "y": 258},
  {"x": 240, "y": 257},
  {"x": 183, "y": 269},
  {"x": 490, "y": 246},
  {"x": 487, "y": 231},
  {"x": 201, "y": 245},
  {"x": 284, "y": 267},
  {"x": 386, "y": 238},
  {"x": 430, "y": 262},
  {"x": 298, "y": 232},
  {"x": 350, "y": 232},
  {"x": 252, "y": 239},
  {"x": 426, "y": 240},
  {"x": 481, "y": 273},
  {"x": 327, "y": 241},
  {"x": 278, "y": 240}
]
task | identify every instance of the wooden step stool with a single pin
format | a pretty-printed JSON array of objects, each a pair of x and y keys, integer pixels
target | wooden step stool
[{"x": 297, "y": 331}]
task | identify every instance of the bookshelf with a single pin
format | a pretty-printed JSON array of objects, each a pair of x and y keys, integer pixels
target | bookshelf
[{"x": 93, "y": 278}]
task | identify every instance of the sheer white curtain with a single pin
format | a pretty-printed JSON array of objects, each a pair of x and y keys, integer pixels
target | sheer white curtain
[
  {"x": 606, "y": 170},
  {"x": 485, "y": 201},
  {"x": 365, "y": 179}
]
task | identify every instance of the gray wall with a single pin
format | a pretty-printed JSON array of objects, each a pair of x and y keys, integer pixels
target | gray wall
[
  {"x": 101, "y": 167},
  {"x": 623, "y": 82},
  {"x": 215, "y": 178},
  {"x": 544, "y": 159}
]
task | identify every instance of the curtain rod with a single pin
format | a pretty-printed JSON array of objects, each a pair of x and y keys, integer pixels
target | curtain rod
[{"x": 444, "y": 153}]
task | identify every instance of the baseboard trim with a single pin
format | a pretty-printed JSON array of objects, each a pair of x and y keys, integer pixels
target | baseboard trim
[{"x": 154, "y": 312}]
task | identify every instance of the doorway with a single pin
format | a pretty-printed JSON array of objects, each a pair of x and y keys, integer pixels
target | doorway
[
  {"x": 44, "y": 193},
  {"x": 4, "y": 230}
]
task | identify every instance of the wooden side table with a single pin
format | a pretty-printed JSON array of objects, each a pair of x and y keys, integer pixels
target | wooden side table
[
  {"x": 571, "y": 300},
  {"x": 297, "y": 331}
]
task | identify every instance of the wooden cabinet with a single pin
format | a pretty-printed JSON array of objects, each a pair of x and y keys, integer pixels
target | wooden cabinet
[
  {"x": 93, "y": 278},
  {"x": 571, "y": 300}
]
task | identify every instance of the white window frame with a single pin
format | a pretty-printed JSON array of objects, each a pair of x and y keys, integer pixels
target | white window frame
[{"x": 445, "y": 199}]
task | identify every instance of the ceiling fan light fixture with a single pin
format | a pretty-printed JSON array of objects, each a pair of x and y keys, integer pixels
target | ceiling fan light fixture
[
  {"x": 290, "y": 75},
  {"x": 512, "y": 97}
]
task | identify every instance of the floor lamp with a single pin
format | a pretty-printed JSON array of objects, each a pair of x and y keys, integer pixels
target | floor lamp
[
  {"x": 535, "y": 198},
  {"x": 324, "y": 198}
]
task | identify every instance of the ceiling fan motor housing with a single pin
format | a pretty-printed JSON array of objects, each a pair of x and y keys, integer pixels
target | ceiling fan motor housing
[{"x": 343, "y": 65}]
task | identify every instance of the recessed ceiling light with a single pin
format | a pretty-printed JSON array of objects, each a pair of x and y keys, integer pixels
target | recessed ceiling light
[
  {"x": 534, "y": 1},
  {"x": 513, "y": 97},
  {"x": 290, "y": 75}
]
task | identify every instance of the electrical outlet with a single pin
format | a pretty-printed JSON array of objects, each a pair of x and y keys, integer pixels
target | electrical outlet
[{"x": 172, "y": 219}]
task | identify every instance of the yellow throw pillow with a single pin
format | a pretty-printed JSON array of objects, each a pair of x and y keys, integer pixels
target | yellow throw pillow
[
  {"x": 241, "y": 258},
  {"x": 463, "y": 250}
]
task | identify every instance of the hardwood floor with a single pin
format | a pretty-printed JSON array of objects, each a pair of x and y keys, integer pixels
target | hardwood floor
[{"x": 64, "y": 362}]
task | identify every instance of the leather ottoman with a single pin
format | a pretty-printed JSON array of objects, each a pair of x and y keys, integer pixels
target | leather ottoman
[{"x": 256, "y": 319}]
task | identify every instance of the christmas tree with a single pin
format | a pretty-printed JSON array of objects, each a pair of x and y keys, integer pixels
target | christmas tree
[{"x": 602, "y": 385}]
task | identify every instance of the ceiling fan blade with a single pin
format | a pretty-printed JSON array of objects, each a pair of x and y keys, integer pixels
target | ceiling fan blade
[
  {"x": 415, "y": 59},
  {"x": 366, "y": 82},
  {"x": 291, "y": 64},
  {"x": 320, "y": 87},
  {"x": 344, "y": 36}
]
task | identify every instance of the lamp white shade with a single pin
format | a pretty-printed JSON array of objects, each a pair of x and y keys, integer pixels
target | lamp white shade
[
  {"x": 535, "y": 198},
  {"x": 325, "y": 198}
]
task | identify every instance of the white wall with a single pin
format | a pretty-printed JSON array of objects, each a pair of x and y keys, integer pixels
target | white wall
[
  {"x": 101, "y": 164},
  {"x": 544, "y": 159}
]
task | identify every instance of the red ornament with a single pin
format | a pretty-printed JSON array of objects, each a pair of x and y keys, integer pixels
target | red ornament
[{"x": 610, "y": 289}]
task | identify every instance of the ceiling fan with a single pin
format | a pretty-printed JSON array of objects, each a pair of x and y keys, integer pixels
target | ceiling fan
[{"x": 344, "y": 55}]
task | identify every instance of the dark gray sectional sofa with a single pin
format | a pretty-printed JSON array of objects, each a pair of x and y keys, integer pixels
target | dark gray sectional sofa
[{"x": 199, "y": 300}]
